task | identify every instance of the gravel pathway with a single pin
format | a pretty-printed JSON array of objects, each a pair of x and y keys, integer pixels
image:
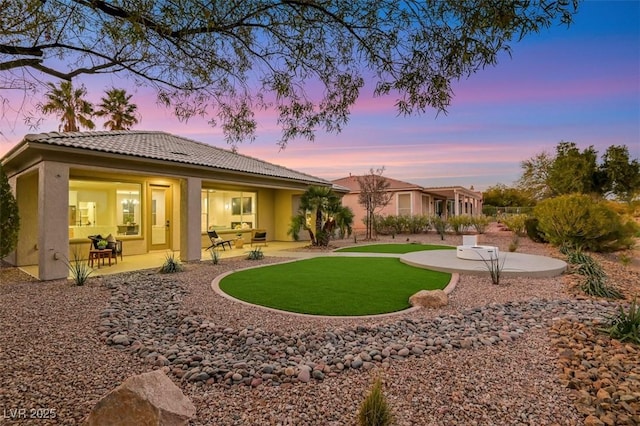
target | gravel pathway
[{"x": 488, "y": 358}]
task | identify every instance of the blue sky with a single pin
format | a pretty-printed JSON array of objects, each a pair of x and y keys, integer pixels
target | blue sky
[{"x": 579, "y": 84}]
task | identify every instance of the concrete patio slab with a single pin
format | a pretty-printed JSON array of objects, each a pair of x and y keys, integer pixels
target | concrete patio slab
[{"x": 515, "y": 264}]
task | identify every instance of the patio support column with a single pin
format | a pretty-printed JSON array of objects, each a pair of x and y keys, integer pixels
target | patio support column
[
  {"x": 456, "y": 203},
  {"x": 190, "y": 210},
  {"x": 53, "y": 220}
]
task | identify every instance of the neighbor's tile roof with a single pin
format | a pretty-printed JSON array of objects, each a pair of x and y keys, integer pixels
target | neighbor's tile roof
[
  {"x": 351, "y": 182},
  {"x": 167, "y": 147}
]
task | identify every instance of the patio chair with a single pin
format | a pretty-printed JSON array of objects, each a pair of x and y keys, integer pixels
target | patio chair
[
  {"x": 259, "y": 236},
  {"x": 217, "y": 241},
  {"x": 112, "y": 243}
]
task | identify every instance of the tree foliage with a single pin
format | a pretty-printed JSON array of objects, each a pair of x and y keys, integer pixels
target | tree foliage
[
  {"x": 326, "y": 205},
  {"x": 9, "y": 218},
  {"x": 621, "y": 174},
  {"x": 373, "y": 195},
  {"x": 69, "y": 105},
  {"x": 226, "y": 59},
  {"x": 535, "y": 176},
  {"x": 501, "y": 195},
  {"x": 573, "y": 171},
  {"x": 117, "y": 107}
]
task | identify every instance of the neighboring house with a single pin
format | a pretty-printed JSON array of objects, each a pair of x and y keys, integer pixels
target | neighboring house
[
  {"x": 152, "y": 190},
  {"x": 410, "y": 200}
]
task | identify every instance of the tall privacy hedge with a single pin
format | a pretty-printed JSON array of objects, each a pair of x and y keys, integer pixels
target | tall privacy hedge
[{"x": 9, "y": 219}]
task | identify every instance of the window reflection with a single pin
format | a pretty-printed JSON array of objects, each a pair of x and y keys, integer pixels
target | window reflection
[{"x": 228, "y": 210}]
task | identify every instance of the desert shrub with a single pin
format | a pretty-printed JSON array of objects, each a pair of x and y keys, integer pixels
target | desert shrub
[
  {"x": 480, "y": 223},
  {"x": 515, "y": 243},
  {"x": 625, "y": 326},
  {"x": 78, "y": 268},
  {"x": 440, "y": 225},
  {"x": 595, "y": 283},
  {"x": 418, "y": 224},
  {"x": 386, "y": 225},
  {"x": 581, "y": 222},
  {"x": 460, "y": 223},
  {"x": 515, "y": 223},
  {"x": 255, "y": 254},
  {"x": 374, "y": 410},
  {"x": 494, "y": 265},
  {"x": 533, "y": 231},
  {"x": 171, "y": 264}
]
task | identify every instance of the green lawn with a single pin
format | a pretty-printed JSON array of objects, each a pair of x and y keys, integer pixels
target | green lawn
[
  {"x": 334, "y": 285},
  {"x": 394, "y": 248}
]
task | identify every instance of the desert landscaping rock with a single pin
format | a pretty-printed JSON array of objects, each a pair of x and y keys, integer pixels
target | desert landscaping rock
[
  {"x": 210, "y": 352},
  {"x": 526, "y": 352}
]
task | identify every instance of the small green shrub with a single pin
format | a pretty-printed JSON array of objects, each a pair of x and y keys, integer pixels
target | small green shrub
[
  {"x": 171, "y": 264},
  {"x": 480, "y": 223},
  {"x": 255, "y": 254},
  {"x": 625, "y": 326},
  {"x": 533, "y": 231},
  {"x": 515, "y": 223},
  {"x": 581, "y": 222},
  {"x": 374, "y": 410},
  {"x": 459, "y": 224},
  {"x": 78, "y": 268},
  {"x": 440, "y": 225},
  {"x": 418, "y": 224}
]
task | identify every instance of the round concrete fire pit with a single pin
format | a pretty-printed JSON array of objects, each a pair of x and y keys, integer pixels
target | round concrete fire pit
[{"x": 477, "y": 252}]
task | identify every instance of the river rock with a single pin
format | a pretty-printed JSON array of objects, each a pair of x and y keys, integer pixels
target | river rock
[
  {"x": 429, "y": 299},
  {"x": 147, "y": 399}
]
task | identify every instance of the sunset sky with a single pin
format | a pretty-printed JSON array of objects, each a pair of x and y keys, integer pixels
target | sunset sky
[{"x": 580, "y": 84}]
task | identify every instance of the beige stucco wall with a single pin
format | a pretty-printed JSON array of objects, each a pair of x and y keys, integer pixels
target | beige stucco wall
[
  {"x": 53, "y": 240},
  {"x": 27, "y": 198}
]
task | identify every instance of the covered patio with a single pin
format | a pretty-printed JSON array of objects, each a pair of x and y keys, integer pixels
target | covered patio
[{"x": 155, "y": 259}]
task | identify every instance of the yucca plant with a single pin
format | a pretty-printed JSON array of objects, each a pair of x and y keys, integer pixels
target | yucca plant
[
  {"x": 255, "y": 254},
  {"x": 78, "y": 268},
  {"x": 625, "y": 326},
  {"x": 171, "y": 264},
  {"x": 374, "y": 410}
]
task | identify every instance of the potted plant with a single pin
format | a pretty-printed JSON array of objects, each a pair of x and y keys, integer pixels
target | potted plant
[
  {"x": 102, "y": 244},
  {"x": 239, "y": 241}
]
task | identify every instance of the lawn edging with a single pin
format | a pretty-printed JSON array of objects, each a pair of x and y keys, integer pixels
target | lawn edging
[{"x": 215, "y": 286}]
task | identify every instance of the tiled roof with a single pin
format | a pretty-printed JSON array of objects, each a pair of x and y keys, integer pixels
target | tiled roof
[
  {"x": 351, "y": 182},
  {"x": 167, "y": 147}
]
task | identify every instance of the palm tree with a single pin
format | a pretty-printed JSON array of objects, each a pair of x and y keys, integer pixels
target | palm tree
[
  {"x": 328, "y": 211},
  {"x": 69, "y": 106},
  {"x": 116, "y": 106}
]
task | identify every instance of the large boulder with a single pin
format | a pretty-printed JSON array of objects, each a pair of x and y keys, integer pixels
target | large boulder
[
  {"x": 147, "y": 399},
  {"x": 429, "y": 299}
]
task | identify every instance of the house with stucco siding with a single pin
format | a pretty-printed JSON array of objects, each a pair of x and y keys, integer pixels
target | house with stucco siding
[
  {"x": 409, "y": 199},
  {"x": 150, "y": 190}
]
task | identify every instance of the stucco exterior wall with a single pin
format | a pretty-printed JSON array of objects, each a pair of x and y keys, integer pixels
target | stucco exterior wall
[
  {"x": 27, "y": 198},
  {"x": 53, "y": 222}
]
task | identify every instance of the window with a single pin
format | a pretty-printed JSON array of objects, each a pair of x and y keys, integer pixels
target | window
[
  {"x": 404, "y": 204},
  {"x": 227, "y": 210},
  {"x": 104, "y": 207}
]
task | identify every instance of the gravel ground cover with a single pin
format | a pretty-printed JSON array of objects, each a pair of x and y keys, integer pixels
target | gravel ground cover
[{"x": 526, "y": 352}]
